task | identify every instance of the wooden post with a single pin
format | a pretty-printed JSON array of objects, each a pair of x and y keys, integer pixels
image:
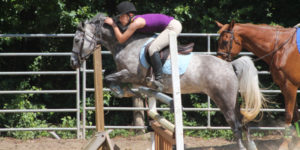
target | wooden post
[
  {"x": 99, "y": 116},
  {"x": 100, "y": 140}
]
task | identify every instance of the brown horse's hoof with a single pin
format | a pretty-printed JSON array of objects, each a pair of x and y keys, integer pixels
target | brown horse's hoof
[
  {"x": 296, "y": 143},
  {"x": 297, "y": 146}
]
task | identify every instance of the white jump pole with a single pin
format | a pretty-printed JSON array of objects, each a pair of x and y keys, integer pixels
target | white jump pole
[
  {"x": 152, "y": 97},
  {"x": 176, "y": 92}
]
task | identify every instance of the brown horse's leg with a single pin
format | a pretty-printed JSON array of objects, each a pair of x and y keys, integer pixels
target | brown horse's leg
[
  {"x": 297, "y": 126},
  {"x": 290, "y": 92},
  {"x": 296, "y": 120},
  {"x": 296, "y": 113}
]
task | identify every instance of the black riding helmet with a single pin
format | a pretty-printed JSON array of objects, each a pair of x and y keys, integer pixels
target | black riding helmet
[{"x": 125, "y": 7}]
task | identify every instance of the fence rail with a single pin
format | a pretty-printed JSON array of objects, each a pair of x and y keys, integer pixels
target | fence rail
[
  {"x": 69, "y": 91},
  {"x": 81, "y": 126}
]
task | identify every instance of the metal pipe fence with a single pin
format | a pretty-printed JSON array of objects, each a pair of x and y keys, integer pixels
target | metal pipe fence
[
  {"x": 76, "y": 90},
  {"x": 81, "y": 117}
]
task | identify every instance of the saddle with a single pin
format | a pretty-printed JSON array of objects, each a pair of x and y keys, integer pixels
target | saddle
[{"x": 165, "y": 53}]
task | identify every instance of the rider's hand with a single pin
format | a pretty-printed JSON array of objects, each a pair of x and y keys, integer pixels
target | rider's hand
[{"x": 109, "y": 21}]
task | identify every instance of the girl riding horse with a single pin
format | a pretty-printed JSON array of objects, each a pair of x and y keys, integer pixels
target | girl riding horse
[{"x": 146, "y": 23}]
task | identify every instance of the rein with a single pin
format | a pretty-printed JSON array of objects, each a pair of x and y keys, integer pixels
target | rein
[{"x": 275, "y": 49}]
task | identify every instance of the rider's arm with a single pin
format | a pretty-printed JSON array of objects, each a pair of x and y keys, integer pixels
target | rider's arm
[{"x": 123, "y": 37}]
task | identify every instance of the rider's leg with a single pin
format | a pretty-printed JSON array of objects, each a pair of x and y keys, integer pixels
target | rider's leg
[
  {"x": 157, "y": 66},
  {"x": 160, "y": 42}
]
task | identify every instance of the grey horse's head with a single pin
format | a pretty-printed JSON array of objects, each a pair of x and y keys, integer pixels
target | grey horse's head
[{"x": 87, "y": 36}]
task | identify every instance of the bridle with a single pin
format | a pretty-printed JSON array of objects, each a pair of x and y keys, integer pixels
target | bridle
[
  {"x": 227, "y": 54},
  {"x": 94, "y": 41}
]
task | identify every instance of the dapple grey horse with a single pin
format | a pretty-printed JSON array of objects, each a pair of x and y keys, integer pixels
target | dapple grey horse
[{"x": 205, "y": 74}]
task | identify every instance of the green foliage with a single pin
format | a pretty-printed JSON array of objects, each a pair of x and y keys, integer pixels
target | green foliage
[
  {"x": 67, "y": 122},
  {"x": 197, "y": 103},
  {"x": 90, "y": 101},
  {"x": 258, "y": 134},
  {"x": 121, "y": 132},
  {"x": 22, "y": 120},
  {"x": 36, "y": 65}
]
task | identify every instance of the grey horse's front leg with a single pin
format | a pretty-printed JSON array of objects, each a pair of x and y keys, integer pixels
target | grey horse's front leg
[
  {"x": 120, "y": 83},
  {"x": 123, "y": 76}
]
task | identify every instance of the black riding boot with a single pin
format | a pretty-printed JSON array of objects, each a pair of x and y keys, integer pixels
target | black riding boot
[{"x": 157, "y": 69}]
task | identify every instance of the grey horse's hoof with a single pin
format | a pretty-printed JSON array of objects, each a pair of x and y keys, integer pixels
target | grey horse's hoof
[
  {"x": 252, "y": 146},
  {"x": 159, "y": 86},
  {"x": 116, "y": 91},
  {"x": 241, "y": 145},
  {"x": 156, "y": 85},
  {"x": 242, "y": 148}
]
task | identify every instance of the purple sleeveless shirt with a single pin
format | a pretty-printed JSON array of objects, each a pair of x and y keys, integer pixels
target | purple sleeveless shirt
[{"x": 154, "y": 22}]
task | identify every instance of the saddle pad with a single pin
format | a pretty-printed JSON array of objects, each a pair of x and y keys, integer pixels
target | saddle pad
[
  {"x": 143, "y": 59},
  {"x": 298, "y": 39},
  {"x": 183, "y": 60}
]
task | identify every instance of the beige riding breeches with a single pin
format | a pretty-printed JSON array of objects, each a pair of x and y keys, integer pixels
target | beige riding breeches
[{"x": 162, "y": 39}]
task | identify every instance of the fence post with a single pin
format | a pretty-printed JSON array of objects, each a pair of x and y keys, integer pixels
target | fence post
[
  {"x": 176, "y": 92},
  {"x": 101, "y": 139},
  {"x": 79, "y": 134},
  {"x": 99, "y": 113}
]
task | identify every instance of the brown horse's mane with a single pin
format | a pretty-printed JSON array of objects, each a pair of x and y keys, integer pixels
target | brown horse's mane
[
  {"x": 265, "y": 26},
  {"x": 262, "y": 26}
]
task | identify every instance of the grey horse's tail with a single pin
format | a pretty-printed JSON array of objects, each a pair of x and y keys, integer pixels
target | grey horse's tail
[{"x": 249, "y": 88}]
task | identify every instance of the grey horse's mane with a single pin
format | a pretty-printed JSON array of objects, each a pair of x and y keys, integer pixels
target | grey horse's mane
[
  {"x": 100, "y": 17},
  {"x": 98, "y": 20}
]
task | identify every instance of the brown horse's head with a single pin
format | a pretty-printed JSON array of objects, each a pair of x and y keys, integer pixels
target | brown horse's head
[{"x": 229, "y": 42}]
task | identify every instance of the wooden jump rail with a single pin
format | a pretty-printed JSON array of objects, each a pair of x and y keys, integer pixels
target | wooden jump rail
[{"x": 164, "y": 139}]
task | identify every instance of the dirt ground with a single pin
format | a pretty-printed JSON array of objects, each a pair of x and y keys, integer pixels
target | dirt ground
[{"x": 141, "y": 142}]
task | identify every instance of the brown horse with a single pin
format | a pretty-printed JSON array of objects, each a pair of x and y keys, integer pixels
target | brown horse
[{"x": 277, "y": 47}]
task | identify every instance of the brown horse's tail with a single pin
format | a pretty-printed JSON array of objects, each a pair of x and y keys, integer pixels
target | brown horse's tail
[{"x": 249, "y": 88}]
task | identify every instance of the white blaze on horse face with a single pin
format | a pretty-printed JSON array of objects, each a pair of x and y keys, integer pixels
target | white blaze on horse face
[
  {"x": 89, "y": 43},
  {"x": 74, "y": 61},
  {"x": 77, "y": 42}
]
